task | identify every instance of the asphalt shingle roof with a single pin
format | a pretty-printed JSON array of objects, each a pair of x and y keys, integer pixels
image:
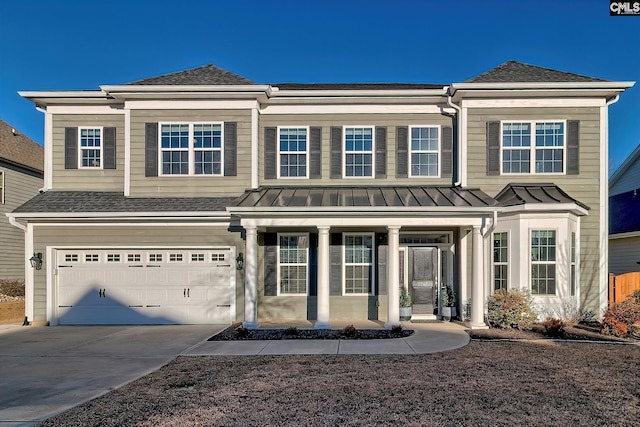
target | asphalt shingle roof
[
  {"x": 97, "y": 201},
  {"x": 20, "y": 150},
  {"x": 521, "y": 194},
  {"x": 205, "y": 75},
  {"x": 518, "y": 72}
]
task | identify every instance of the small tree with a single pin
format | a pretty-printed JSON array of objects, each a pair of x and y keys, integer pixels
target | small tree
[{"x": 511, "y": 309}]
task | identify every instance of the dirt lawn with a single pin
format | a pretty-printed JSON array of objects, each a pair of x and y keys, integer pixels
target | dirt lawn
[{"x": 484, "y": 383}]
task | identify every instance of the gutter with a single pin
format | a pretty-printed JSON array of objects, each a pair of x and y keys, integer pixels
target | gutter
[
  {"x": 450, "y": 103},
  {"x": 15, "y": 223},
  {"x": 489, "y": 230}
]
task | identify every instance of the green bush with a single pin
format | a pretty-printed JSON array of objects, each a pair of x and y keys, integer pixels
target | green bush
[
  {"x": 622, "y": 318},
  {"x": 12, "y": 287},
  {"x": 511, "y": 309}
]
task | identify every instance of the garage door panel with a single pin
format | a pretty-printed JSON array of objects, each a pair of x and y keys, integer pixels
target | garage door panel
[{"x": 115, "y": 286}]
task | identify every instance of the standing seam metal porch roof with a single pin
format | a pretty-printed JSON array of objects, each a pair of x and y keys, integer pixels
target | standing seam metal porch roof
[{"x": 366, "y": 197}]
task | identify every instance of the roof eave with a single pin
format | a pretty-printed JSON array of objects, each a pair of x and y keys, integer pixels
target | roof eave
[
  {"x": 605, "y": 90},
  {"x": 624, "y": 166},
  {"x": 547, "y": 207},
  {"x": 365, "y": 210},
  {"x": 310, "y": 93},
  {"x": 119, "y": 215},
  {"x": 45, "y": 98},
  {"x": 22, "y": 165}
]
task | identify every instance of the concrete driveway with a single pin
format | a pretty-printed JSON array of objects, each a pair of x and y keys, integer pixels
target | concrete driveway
[{"x": 44, "y": 371}]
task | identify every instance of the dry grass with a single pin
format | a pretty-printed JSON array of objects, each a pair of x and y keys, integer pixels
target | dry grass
[
  {"x": 484, "y": 383},
  {"x": 12, "y": 311}
]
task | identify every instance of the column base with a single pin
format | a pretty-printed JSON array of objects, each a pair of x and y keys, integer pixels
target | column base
[
  {"x": 251, "y": 325},
  {"x": 478, "y": 325},
  {"x": 390, "y": 325},
  {"x": 322, "y": 325}
]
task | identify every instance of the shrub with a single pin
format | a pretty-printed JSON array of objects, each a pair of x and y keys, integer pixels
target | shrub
[
  {"x": 242, "y": 332},
  {"x": 622, "y": 317},
  {"x": 349, "y": 331},
  {"x": 636, "y": 295},
  {"x": 12, "y": 287},
  {"x": 511, "y": 309},
  {"x": 553, "y": 327},
  {"x": 405, "y": 298},
  {"x": 396, "y": 330},
  {"x": 291, "y": 330}
]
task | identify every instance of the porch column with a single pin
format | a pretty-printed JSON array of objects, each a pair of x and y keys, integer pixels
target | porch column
[
  {"x": 251, "y": 279},
  {"x": 477, "y": 285},
  {"x": 393, "y": 276},
  {"x": 324, "y": 274}
]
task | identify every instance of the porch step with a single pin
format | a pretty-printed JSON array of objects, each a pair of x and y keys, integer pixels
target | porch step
[
  {"x": 422, "y": 309},
  {"x": 423, "y": 318}
]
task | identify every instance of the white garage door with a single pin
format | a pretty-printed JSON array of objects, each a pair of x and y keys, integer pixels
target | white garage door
[{"x": 146, "y": 286}]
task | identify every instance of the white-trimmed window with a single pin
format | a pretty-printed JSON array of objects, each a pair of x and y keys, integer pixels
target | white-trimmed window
[
  {"x": 533, "y": 147},
  {"x": 543, "y": 262},
  {"x": 358, "y": 264},
  {"x": 500, "y": 260},
  {"x": 191, "y": 149},
  {"x": 358, "y": 151},
  {"x": 424, "y": 151},
  {"x": 293, "y": 155},
  {"x": 1, "y": 187},
  {"x": 90, "y": 152},
  {"x": 293, "y": 259}
]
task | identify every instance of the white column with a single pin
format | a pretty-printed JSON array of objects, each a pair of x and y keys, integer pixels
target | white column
[
  {"x": 393, "y": 276},
  {"x": 324, "y": 274},
  {"x": 251, "y": 279},
  {"x": 477, "y": 285}
]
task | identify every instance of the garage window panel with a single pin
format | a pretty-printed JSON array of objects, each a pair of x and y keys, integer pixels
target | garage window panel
[
  {"x": 155, "y": 257},
  {"x": 113, "y": 257},
  {"x": 197, "y": 257},
  {"x": 71, "y": 258},
  {"x": 173, "y": 257},
  {"x": 133, "y": 257},
  {"x": 92, "y": 258},
  {"x": 217, "y": 257}
]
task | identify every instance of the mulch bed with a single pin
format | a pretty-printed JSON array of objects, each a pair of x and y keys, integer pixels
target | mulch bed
[
  {"x": 232, "y": 333},
  {"x": 580, "y": 332}
]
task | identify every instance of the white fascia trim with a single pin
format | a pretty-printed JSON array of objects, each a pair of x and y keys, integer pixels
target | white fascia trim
[
  {"x": 544, "y": 85},
  {"x": 63, "y": 94},
  {"x": 111, "y": 89},
  {"x": 63, "y": 215},
  {"x": 362, "y": 222},
  {"x": 367, "y": 212},
  {"x": 85, "y": 109},
  {"x": 545, "y": 207},
  {"x": 624, "y": 235},
  {"x": 205, "y": 104},
  {"x": 533, "y": 102},
  {"x": 310, "y": 93},
  {"x": 131, "y": 224},
  {"x": 352, "y": 109}
]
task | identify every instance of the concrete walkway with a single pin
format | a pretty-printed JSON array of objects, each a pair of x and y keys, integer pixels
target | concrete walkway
[{"x": 427, "y": 338}]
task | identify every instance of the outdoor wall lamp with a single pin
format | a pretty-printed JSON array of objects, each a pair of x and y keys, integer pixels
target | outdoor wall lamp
[
  {"x": 36, "y": 260},
  {"x": 239, "y": 261}
]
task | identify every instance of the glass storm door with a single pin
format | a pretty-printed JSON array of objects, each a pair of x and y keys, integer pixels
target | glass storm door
[{"x": 424, "y": 265}]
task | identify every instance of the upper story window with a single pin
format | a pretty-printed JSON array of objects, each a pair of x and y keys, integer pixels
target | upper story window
[
  {"x": 90, "y": 147},
  {"x": 424, "y": 151},
  {"x": 533, "y": 147},
  {"x": 191, "y": 149},
  {"x": 292, "y": 152},
  {"x": 358, "y": 152},
  {"x": 1, "y": 187}
]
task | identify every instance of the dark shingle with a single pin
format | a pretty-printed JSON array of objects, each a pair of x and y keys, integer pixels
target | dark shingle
[
  {"x": 356, "y": 86},
  {"x": 521, "y": 194},
  {"x": 96, "y": 201},
  {"x": 518, "y": 72},
  {"x": 205, "y": 75},
  {"x": 20, "y": 150}
]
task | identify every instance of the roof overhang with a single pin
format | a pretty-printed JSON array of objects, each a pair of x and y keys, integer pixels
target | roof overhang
[
  {"x": 573, "y": 208},
  {"x": 624, "y": 235},
  {"x": 213, "y": 215},
  {"x": 68, "y": 97},
  {"x": 128, "y": 92}
]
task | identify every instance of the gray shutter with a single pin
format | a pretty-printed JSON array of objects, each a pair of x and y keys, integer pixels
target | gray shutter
[
  {"x": 315, "y": 153},
  {"x": 573, "y": 147},
  {"x": 493, "y": 148},
  {"x": 313, "y": 264},
  {"x": 270, "y": 264},
  {"x": 381, "y": 152},
  {"x": 270, "y": 153},
  {"x": 230, "y": 149},
  {"x": 71, "y": 148},
  {"x": 382, "y": 270},
  {"x": 402, "y": 152},
  {"x": 446, "y": 170},
  {"x": 151, "y": 149},
  {"x": 335, "y": 253},
  {"x": 336, "y": 153},
  {"x": 109, "y": 161}
]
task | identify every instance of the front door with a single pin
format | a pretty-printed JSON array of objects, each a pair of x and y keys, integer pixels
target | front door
[{"x": 423, "y": 278}]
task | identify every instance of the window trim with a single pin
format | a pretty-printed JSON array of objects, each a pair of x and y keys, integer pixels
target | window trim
[
  {"x": 501, "y": 263},
  {"x": 344, "y": 151},
  {"x": 438, "y": 152},
  {"x": 278, "y": 152},
  {"x": 191, "y": 149},
  {"x": 2, "y": 186},
  {"x": 278, "y": 265},
  {"x": 81, "y": 149},
  {"x": 532, "y": 147},
  {"x": 554, "y": 263},
  {"x": 372, "y": 264}
]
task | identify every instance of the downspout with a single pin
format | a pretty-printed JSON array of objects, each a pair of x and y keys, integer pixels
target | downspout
[
  {"x": 459, "y": 112},
  {"x": 489, "y": 230},
  {"x": 15, "y": 223}
]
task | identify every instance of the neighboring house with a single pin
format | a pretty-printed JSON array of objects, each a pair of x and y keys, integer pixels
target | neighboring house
[
  {"x": 624, "y": 221},
  {"x": 203, "y": 197},
  {"x": 21, "y": 173}
]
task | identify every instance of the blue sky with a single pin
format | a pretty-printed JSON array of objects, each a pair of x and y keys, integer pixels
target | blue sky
[{"x": 81, "y": 44}]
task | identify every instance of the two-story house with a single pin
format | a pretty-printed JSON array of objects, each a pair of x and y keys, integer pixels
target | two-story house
[
  {"x": 21, "y": 173},
  {"x": 203, "y": 197}
]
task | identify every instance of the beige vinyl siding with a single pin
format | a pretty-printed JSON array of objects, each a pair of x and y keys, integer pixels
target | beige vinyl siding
[
  {"x": 129, "y": 236},
  {"x": 584, "y": 187},
  {"x": 194, "y": 186},
  {"x": 87, "y": 179},
  {"x": 624, "y": 255},
  {"x": 630, "y": 180},
  {"x": 326, "y": 121},
  {"x": 19, "y": 186}
]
